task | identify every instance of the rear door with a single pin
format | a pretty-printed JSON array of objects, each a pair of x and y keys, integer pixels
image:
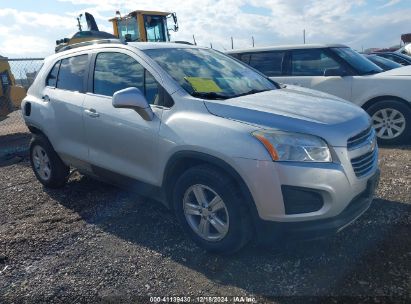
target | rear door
[
  {"x": 120, "y": 140},
  {"x": 65, "y": 93},
  {"x": 306, "y": 68}
]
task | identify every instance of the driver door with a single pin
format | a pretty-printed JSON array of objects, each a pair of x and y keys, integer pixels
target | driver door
[{"x": 120, "y": 140}]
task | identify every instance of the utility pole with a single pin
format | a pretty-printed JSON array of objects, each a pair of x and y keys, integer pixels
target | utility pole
[
  {"x": 232, "y": 43},
  {"x": 194, "y": 39},
  {"x": 252, "y": 38},
  {"x": 79, "y": 23},
  {"x": 304, "y": 36}
]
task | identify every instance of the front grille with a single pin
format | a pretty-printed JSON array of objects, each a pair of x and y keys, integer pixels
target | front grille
[
  {"x": 365, "y": 140},
  {"x": 363, "y": 164},
  {"x": 359, "y": 139}
]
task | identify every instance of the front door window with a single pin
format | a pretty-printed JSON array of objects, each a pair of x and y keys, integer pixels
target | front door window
[{"x": 312, "y": 62}]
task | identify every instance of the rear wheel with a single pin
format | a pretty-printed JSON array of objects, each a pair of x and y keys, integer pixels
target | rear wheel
[
  {"x": 47, "y": 165},
  {"x": 391, "y": 120},
  {"x": 209, "y": 208}
]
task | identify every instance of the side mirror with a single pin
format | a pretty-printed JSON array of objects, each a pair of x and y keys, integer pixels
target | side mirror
[
  {"x": 132, "y": 98},
  {"x": 175, "y": 22},
  {"x": 335, "y": 72}
]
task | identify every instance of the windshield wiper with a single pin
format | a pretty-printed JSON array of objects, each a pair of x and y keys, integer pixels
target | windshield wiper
[
  {"x": 253, "y": 91},
  {"x": 209, "y": 95}
]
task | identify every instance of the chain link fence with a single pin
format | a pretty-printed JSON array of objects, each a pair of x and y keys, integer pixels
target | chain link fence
[{"x": 16, "y": 76}]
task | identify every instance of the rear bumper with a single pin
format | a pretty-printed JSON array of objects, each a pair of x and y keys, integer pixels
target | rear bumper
[{"x": 268, "y": 230}]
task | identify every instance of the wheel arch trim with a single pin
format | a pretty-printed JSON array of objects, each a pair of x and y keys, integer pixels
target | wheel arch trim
[
  {"x": 374, "y": 100},
  {"x": 199, "y": 157}
]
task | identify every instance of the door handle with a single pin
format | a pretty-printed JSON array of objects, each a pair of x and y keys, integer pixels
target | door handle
[
  {"x": 46, "y": 98},
  {"x": 92, "y": 113}
]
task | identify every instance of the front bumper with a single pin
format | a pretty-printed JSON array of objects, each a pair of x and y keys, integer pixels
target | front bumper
[
  {"x": 324, "y": 227},
  {"x": 336, "y": 183}
]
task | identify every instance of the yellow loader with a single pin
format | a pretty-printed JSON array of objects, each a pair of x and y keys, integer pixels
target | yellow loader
[
  {"x": 11, "y": 95},
  {"x": 136, "y": 26}
]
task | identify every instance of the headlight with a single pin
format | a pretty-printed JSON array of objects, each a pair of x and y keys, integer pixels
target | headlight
[{"x": 284, "y": 146}]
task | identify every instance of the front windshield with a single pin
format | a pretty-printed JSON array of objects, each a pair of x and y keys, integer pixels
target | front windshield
[
  {"x": 361, "y": 64},
  {"x": 209, "y": 74},
  {"x": 383, "y": 62}
]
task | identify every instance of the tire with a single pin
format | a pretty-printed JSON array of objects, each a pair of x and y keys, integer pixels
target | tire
[
  {"x": 392, "y": 121},
  {"x": 46, "y": 164},
  {"x": 212, "y": 183}
]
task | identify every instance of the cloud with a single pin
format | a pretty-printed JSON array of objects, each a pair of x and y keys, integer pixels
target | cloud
[
  {"x": 29, "y": 33},
  {"x": 389, "y": 3},
  {"x": 353, "y": 22}
]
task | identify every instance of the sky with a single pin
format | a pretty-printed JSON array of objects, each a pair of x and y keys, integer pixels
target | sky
[{"x": 30, "y": 28}]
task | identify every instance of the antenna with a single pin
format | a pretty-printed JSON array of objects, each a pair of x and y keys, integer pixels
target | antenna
[
  {"x": 194, "y": 39},
  {"x": 78, "y": 22},
  {"x": 211, "y": 45},
  {"x": 304, "y": 36},
  {"x": 252, "y": 39},
  {"x": 232, "y": 43}
]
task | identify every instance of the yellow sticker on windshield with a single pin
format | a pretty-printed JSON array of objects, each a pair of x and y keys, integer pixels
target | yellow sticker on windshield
[{"x": 203, "y": 85}]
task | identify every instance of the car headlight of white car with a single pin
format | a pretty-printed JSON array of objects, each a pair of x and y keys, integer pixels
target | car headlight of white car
[{"x": 298, "y": 147}]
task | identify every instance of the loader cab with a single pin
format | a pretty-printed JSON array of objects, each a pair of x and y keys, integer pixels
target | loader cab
[{"x": 144, "y": 26}]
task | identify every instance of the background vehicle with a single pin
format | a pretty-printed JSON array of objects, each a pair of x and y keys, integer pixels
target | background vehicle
[
  {"x": 136, "y": 26},
  {"x": 382, "y": 62},
  {"x": 396, "y": 57},
  {"x": 341, "y": 71},
  {"x": 144, "y": 26},
  {"x": 166, "y": 120}
]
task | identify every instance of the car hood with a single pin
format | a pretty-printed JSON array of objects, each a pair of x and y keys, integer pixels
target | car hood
[
  {"x": 296, "y": 109},
  {"x": 402, "y": 71}
]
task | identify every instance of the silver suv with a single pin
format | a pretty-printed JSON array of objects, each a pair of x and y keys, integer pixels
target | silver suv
[{"x": 234, "y": 154}]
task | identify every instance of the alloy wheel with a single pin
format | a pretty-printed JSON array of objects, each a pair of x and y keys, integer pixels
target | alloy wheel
[
  {"x": 41, "y": 163},
  {"x": 206, "y": 212},
  {"x": 388, "y": 123}
]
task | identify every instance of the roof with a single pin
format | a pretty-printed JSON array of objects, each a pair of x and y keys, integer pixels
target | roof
[
  {"x": 161, "y": 45},
  {"x": 285, "y": 47},
  {"x": 101, "y": 43},
  {"x": 133, "y": 13}
]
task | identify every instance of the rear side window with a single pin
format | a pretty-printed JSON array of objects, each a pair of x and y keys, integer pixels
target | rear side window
[
  {"x": 72, "y": 73},
  {"x": 268, "y": 63},
  {"x": 51, "y": 80},
  {"x": 312, "y": 62},
  {"x": 117, "y": 71}
]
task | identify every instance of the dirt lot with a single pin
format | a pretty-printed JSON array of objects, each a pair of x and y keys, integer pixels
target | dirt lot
[{"x": 90, "y": 242}]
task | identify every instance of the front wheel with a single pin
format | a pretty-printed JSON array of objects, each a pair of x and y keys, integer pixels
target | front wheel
[
  {"x": 391, "y": 120},
  {"x": 211, "y": 210}
]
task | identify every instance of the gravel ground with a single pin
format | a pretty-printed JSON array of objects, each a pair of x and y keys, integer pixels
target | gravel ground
[{"x": 90, "y": 242}]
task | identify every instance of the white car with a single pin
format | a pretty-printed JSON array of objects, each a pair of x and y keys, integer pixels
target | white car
[{"x": 341, "y": 71}]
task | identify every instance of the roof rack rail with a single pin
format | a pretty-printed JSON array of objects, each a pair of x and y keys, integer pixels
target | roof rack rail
[
  {"x": 86, "y": 43},
  {"x": 183, "y": 42}
]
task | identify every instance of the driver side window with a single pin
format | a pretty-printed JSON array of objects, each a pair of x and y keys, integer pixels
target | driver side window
[
  {"x": 311, "y": 62},
  {"x": 117, "y": 71}
]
